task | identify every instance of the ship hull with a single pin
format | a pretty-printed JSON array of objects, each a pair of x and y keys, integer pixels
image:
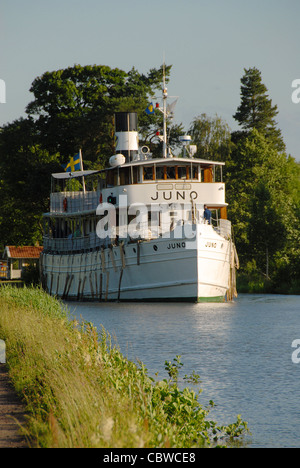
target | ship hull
[{"x": 173, "y": 269}]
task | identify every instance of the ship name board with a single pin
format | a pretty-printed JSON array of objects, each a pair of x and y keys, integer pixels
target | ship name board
[
  {"x": 176, "y": 245},
  {"x": 178, "y": 195}
]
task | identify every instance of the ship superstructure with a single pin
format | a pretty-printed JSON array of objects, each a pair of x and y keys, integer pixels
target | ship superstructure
[{"x": 138, "y": 229}]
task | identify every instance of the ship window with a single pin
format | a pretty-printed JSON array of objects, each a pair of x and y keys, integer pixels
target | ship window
[
  {"x": 160, "y": 172},
  {"x": 135, "y": 174},
  {"x": 116, "y": 176},
  {"x": 195, "y": 172},
  {"x": 182, "y": 172},
  {"x": 170, "y": 172},
  {"x": 148, "y": 173},
  {"x": 125, "y": 176},
  {"x": 218, "y": 174},
  {"x": 110, "y": 179}
]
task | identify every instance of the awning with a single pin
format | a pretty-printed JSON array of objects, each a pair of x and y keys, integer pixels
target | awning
[{"x": 71, "y": 175}]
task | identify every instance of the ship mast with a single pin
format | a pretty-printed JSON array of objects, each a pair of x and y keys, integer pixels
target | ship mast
[
  {"x": 165, "y": 96},
  {"x": 165, "y": 110}
]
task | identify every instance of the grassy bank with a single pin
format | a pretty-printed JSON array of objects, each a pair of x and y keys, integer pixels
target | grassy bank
[{"x": 80, "y": 391}]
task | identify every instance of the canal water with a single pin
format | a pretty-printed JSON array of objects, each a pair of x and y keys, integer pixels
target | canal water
[{"x": 242, "y": 351}]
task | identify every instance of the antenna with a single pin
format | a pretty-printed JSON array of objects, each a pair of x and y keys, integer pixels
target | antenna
[
  {"x": 165, "y": 96},
  {"x": 167, "y": 111}
]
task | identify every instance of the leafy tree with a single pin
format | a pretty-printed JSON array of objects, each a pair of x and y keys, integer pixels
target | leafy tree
[
  {"x": 264, "y": 188},
  {"x": 261, "y": 204},
  {"x": 266, "y": 229},
  {"x": 287, "y": 260},
  {"x": 25, "y": 183},
  {"x": 74, "y": 108},
  {"x": 212, "y": 137},
  {"x": 256, "y": 109}
]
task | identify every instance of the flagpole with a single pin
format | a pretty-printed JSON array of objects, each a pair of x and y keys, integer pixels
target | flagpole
[
  {"x": 165, "y": 95},
  {"x": 81, "y": 163}
]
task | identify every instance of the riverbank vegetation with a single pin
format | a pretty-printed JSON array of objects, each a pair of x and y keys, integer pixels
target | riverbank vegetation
[
  {"x": 73, "y": 108},
  {"x": 80, "y": 391}
]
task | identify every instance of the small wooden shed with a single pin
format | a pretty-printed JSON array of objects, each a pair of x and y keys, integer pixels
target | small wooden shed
[{"x": 17, "y": 258}]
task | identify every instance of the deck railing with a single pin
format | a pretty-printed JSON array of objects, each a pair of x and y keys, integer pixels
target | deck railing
[
  {"x": 92, "y": 241},
  {"x": 73, "y": 202},
  {"x": 224, "y": 228},
  {"x": 76, "y": 244}
]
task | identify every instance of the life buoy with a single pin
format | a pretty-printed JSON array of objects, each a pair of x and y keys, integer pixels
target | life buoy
[{"x": 65, "y": 204}]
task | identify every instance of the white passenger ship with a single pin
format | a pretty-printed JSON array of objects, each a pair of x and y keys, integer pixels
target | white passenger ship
[{"x": 136, "y": 231}]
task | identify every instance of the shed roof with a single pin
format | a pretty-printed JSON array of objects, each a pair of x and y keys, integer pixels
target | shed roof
[{"x": 13, "y": 251}]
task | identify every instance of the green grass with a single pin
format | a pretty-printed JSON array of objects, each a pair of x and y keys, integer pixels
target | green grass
[{"x": 80, "y": 391}]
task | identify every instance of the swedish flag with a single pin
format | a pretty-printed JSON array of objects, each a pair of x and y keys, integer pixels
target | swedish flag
[
  {"x": 74, "y": 164},
  {"x": 150, "y": 109}
]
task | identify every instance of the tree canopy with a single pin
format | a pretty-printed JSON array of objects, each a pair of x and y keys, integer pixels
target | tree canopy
[
  {"x": 74, "y": 107},
  {"x": 24, "y": 187},
  {"x": 256, "y": 109},
  {"x": 212, "y": 137}
]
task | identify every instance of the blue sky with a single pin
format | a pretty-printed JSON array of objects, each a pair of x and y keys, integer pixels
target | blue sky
[{"x": 208, "y": 42}]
